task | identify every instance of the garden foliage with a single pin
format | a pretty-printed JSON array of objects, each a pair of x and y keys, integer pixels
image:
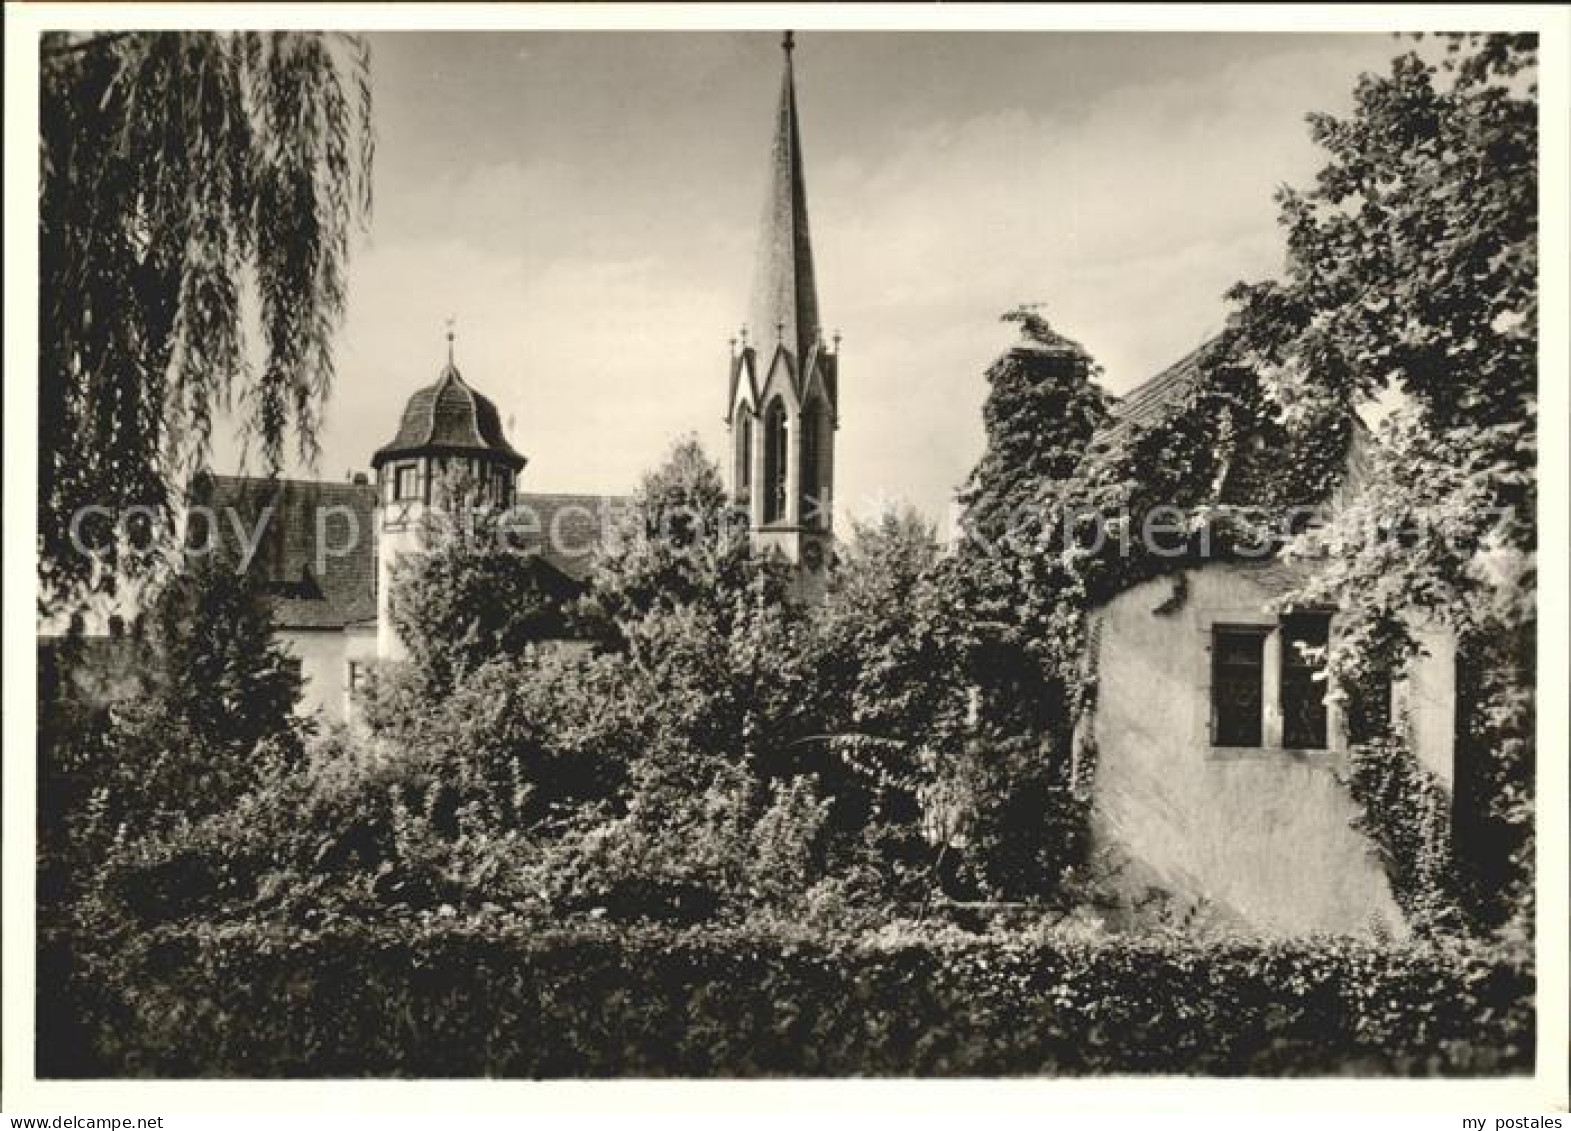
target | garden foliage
[
  {"x": 440, "y": 997},
  {"x": 710, "y": 842}
]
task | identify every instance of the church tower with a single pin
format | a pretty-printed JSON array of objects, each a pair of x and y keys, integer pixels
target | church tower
[
  {"x": 449, "y": 439},
  {"x": 782, "y": 412}
]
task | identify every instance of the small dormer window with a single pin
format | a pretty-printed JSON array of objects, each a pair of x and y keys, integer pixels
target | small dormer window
[{"x": 406, "y": 482}]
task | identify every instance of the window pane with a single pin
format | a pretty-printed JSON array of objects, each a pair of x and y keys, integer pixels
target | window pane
[
  {"x": 774, "y": 463},
  {"x": 1237, "y": 667},
  {"x": 810, "y": 489},
  {"x": 744, "y": 471},
  {"x": 1303, "y": 696}
]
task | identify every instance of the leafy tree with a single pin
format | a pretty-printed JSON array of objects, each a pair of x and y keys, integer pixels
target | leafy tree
[
  {"x": 1018, "y": 593},
  {"x": 1026, "y": 825},
  {"x": 636, "y": 771},
  {"x": 1412, "y": 276},
  {"x": 214, "y": 669},
  {"x": 473, "y": 596},
  {"x": 882, "y": 642},
  {"x": 1412, "y": 279},
  {"x": 887, "y": 677},
  {"x": 1412, "y": 263},
  {"x": 169, "y": 723},
  {"x": 183, "y": 174},
  {"x": 214, "y": 713},
  {"x": 680, "y": 543}
]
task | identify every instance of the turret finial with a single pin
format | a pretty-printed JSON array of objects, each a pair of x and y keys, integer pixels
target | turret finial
[
  {"x": 788, "y": 43},
  {"x": 450, "y": 336}
]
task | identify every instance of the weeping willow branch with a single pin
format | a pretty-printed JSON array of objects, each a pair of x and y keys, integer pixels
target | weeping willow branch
[{"x": 185, "y": 175}]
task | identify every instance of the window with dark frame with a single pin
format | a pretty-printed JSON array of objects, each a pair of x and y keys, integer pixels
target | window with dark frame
[
  {"x": 744, "y": 469},
  {"x": 810, "y": 485},
  {"x": 1237, "y": 685},
  {"x": 407, "y": 483},
  {"x": 775, "y": 457},
  {"x": 1303, "y": 681}
]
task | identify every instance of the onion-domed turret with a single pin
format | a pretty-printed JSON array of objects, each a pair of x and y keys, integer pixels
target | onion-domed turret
[
  {"x": 450, "y": 419},
  {"x": 449, "y": 437}
]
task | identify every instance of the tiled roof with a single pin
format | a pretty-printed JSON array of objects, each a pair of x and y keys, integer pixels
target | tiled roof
[
  {"x": 566, "y": 530},
  {"x": 317, "y": 549},
  {"x": 1244, "y": 478},
  {"x": 449, "y": 416},
  {"x": 337, "y": 588},
  {"x": 1148, "y": 402}
]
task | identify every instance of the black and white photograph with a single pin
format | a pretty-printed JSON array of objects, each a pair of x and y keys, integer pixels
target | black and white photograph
[{"x": 753, "y": 543}]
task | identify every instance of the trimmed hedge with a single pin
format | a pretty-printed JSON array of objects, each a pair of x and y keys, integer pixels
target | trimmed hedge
[{"x": 450, "y": 998}]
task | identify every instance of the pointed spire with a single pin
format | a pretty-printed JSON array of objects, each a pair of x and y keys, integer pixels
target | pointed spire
[{"x": 784, "y": 292}]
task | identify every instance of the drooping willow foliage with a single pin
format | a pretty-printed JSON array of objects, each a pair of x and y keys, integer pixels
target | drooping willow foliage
[{"x": 195, "y": 187}]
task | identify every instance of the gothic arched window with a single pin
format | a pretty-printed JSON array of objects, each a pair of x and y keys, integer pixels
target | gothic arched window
[
  {"x": 744, "y": 456},
  {"x": 774, "y": 484},
  {"x": 812, "y": 477}
]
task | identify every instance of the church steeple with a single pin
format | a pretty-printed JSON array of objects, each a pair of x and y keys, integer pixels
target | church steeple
[
  {"x": 785, "y": 295},
  {"x": 783, "y": 404}
]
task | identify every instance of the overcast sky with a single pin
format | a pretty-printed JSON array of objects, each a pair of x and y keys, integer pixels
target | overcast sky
[{"x": 586, "y": 205}]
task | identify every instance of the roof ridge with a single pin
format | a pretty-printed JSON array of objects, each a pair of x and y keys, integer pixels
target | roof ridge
[
  {"x": 237, "y": 477},
  {"x": 1158, "y": 384},
  {"x": 432, "y": 423},
  {"x": 567, "y": 495}
]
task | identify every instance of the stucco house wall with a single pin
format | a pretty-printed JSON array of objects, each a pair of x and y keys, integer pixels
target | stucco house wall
[
  {"x": 1263, "y": 835},
  {"x": 325, "y": 656}
]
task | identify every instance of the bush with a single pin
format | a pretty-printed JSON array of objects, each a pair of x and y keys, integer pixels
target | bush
[
  {"x": 497, "y": 996},
  {"x": 161, "y": 729},
  {"x": 474, "y": 596},
  {"x": 1025, "y": 823}
]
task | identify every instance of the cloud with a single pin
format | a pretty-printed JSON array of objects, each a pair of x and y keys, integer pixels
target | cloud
[
  {"x": 1129, "y": 223},
  {"x": 595, "y": 287}
]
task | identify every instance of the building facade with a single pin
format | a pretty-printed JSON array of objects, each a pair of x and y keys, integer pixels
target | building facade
[
  {"x": 449, "y": 441},
  {"x": 326, "y": 552},
  {"x": 1220, "y": 759}
]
